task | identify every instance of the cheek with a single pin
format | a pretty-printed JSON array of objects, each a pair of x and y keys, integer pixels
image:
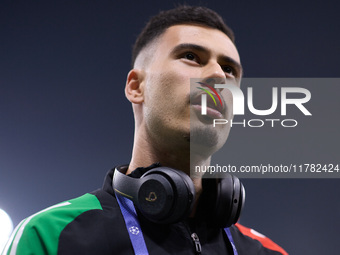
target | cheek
[{"x": 168, "y": 87}]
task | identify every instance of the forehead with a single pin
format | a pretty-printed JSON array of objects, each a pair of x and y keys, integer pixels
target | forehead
[{"x": 215, "y": 40}]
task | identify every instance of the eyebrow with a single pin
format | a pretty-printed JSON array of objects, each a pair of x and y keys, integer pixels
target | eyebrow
[{"x": 196, "y": 47}]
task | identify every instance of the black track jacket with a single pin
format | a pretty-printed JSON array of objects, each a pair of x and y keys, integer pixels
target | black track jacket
[{"x": 93, "y": 224}]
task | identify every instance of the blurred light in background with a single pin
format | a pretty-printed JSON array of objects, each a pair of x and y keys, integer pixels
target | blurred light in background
[{"x": 6, "y": 228}]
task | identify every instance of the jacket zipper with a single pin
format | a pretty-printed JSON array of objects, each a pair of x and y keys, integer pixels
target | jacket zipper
[
  {"x": 194, "y": 238},
  {"x": 197, "y": 243}
]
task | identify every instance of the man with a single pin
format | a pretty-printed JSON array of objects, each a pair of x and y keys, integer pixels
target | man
[{"x": 175, "y": 46}]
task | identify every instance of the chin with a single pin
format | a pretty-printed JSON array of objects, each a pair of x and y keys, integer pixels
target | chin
[{"x": 207, "y": 140}]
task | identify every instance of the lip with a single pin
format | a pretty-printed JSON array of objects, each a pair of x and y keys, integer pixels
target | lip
[{"x": 213, "y": 111}]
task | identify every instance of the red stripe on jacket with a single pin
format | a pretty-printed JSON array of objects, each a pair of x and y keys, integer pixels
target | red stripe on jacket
[{"x": 265, "y": 241}]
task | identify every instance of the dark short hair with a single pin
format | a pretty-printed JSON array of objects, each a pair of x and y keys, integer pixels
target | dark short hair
[{"x": 181, "y": 15}]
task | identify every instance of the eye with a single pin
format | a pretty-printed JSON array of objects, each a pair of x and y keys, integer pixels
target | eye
[
  {"x": 191, "y": 56},
  {"x": 228, "y": 70}
]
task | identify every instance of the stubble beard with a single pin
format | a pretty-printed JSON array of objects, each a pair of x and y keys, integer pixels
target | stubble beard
[{"x": 202, "y": 136}]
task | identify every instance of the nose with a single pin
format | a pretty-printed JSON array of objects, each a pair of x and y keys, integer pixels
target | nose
[{"x": 213, "y": 74}]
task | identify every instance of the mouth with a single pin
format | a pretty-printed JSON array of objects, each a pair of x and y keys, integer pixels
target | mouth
[{"x": 214, "y": 109}]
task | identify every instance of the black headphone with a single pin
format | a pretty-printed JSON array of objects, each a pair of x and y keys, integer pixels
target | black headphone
[{"x": 165, "y": 195}]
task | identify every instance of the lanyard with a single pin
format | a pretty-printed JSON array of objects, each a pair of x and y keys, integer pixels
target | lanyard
[
  {"x": 132, "y": 225},
  {"x": 135, "y": 231},
  {"x": 231, "y": 240}
]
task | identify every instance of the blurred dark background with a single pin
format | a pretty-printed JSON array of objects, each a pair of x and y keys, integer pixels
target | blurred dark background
[{"x": 64, "y": 119}]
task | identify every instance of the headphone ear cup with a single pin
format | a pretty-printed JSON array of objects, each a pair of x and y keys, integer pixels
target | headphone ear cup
[
  {"x": 166, "y": 195},
  {"x": 230, "y": 197},
  {"x": 155, "y": 197}
]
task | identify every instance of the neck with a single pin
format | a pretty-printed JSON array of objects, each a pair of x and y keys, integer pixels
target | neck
[{"x": 145, "y": 153}]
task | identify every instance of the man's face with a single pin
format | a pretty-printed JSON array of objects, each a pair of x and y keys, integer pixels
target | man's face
[{"x": 181, "y": 53}]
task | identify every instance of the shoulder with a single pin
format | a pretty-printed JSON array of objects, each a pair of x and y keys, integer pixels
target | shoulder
[
  {"x": 247, "y": 238},
  {"x": 40, "y": 232}
]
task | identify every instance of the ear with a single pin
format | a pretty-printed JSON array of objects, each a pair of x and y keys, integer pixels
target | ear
[{"x": 134, "y": 89}]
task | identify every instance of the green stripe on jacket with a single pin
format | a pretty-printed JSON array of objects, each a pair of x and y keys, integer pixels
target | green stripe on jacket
[{"x": 39, "y": 233}]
